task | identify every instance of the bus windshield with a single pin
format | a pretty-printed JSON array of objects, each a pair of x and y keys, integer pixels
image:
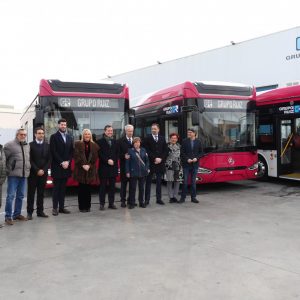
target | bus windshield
[
  {"x": 227, "y": 130},
  {"x": 79, "y": 120}
]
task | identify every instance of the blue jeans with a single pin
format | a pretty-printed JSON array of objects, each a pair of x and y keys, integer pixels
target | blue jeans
[
  {"x": 15, "y": 190},
  {"x": 187, "y": 170}
]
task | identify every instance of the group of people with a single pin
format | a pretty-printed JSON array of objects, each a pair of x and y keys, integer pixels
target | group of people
[{"x": 139, "y": 162}]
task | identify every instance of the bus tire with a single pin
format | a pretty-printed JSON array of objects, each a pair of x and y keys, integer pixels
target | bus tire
[{"x": 262, "y": 172}]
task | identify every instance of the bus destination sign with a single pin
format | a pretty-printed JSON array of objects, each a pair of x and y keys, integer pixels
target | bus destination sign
[
  {"x": 225, "y": 104},
  {"x": 77, "y": 102}
]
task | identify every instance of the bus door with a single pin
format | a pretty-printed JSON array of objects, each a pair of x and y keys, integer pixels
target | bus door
[
  {"x": 170, "y": 125},
  {"x": 285, "y": 163}
]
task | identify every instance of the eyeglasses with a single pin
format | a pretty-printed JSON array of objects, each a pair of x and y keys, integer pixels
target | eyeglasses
[{"x": 24, "y": 134}]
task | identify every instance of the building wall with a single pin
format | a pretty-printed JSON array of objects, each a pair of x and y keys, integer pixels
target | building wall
[
  {"x": 10, "y": 122},
  {"x": 261, "y": 61}
]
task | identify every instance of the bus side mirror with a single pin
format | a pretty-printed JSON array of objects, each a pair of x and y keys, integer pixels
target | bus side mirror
[
  {"x": 132, "y": 120},
  {"x": 39, "y": 118},
  {"x": 195, "y": 118},
  {"x": 200, "y": 105}
]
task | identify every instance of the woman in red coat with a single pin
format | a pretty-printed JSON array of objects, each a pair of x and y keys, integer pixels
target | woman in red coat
[{"x": 85, "y": 171}]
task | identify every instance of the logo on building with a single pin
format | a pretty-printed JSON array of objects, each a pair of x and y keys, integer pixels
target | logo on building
[{"x": 295, "y": 55}]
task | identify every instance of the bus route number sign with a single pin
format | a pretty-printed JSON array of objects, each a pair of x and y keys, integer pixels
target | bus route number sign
[{"x": 77, "y": 102}]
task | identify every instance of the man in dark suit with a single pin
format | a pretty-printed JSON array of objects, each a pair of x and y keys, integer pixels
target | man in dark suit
[
  {"x": 124, "y": 143},
  {"x": 39, "y": 161},
  {"x": 191, "y": 151},
  {"x": 61, "y": 148},
  {"x": 157, "y": 150},
  {"x": 108, "y": 166}
]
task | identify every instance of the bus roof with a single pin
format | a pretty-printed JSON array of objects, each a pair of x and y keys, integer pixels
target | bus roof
[
  {"x": 279, "y": 95},
  {"x": 83, "y": 89},
  {"x": 216, "y": 89}
]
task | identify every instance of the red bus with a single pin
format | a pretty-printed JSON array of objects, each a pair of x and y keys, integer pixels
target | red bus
[
  {"x": 83, "y": 105},
  {"x": 278, "y": 134},
  {"x": 223, "y": 115}
]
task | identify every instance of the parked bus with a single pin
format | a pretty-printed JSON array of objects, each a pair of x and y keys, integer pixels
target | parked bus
[
  {"x": 83, "y": 105},
  {"x": 223, "y": 115},
  {"x": 278, "y": 134}
]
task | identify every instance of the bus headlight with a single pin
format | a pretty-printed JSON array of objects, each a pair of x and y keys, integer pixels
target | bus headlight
[
  {"x": 204, "y": 171},
  {"x": 253, "y": 167}
]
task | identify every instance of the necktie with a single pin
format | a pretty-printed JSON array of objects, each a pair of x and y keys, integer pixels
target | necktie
[
  {"x": 156, "y": 138},
  {"x": 130, "y": 141}
]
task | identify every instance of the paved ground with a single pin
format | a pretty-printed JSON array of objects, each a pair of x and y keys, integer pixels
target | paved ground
[{"x": 241, "y": 242}]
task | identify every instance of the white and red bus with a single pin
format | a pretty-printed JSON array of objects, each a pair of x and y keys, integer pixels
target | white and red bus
[
  {"x": 83, "y": 105},
  {"x": 223, "y": 115},
  {"x": 278, "y": 133}
]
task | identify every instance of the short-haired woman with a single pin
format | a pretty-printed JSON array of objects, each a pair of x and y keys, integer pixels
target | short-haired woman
[
  {"x": 137, "y": 168},
  {"x": 173, "y": 167},
  {"x": 85, "y": 172}
]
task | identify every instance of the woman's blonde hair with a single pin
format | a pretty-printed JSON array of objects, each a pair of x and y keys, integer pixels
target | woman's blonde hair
[{"x": 86, "y": 131}]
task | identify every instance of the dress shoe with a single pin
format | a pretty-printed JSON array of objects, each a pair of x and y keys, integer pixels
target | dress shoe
[
  {"x": 130, "y": 206},
  {"x": 123, "y": 204},
  {"x": 173, "y": 200},
  {"x": 29, "y": 216},
  {"x": 88, "y": 210},
  {"x": 194, "y": 200},
  {"x": 102, "y": 207},
  {"x": 142, "y": 205},
  {"x": 42, "y": 215},
  {"x": 9, "y": 221},
  {"x": 64, "y": 211},
  {"x": 83, "y": 210},
  {"x": 160, "y": 202},
  {"x": 135, "y": 204},
  {"x": 1, "y": 225},
  {"x": 20, "y": 218},
  {"x": 112, "y": 206},
  {"x": 146, "y": 203},
  {"x": 54, "y": 212},
  {"x": 181, "y": 200}
]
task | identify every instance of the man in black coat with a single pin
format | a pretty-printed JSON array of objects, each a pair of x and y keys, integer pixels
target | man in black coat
[
  {"x": 61, "y": 148},
  {"x": 124, "y": 143},
  {"x": 191, "y": 152},
  {"x": 39, "y": 161},
  {"x": 108, "y": 166},
  {"x": 157, "y": 150}
]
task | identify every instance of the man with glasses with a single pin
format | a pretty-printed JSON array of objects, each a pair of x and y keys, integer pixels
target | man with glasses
[
  {"x": 40, "y": 161},
  {"x": 18, "y": 168}
]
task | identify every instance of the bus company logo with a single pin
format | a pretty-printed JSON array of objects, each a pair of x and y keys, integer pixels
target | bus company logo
[
  {"x": 231, "y": 160},
  {"x": 295, "y": 55},
  {"x": 171, "y": 109},
  {"x": 64, "y": 102}
]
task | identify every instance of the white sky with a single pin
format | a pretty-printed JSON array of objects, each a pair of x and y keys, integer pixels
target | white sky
[{"x": 86, "y": 40}]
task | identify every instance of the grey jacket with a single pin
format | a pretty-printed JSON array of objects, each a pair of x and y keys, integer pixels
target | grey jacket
[{"x": 17, "y": 158}]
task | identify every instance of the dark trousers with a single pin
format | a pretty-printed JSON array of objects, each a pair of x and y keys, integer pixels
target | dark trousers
[
  {"x": 111, "y": 181},
  {"x": 123, "y": 190},
  {"x": 148, "y": 186},
  {"x": 58, "y": 194},
  {"x": 132, "y": 188},
  {"x": 36, "y": 183},
  {"x": 84, "y": 196},
  {"x": 189, "y": 170}
]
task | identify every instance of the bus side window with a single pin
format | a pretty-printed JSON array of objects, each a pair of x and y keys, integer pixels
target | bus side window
[{"x": 265, "y": 135}]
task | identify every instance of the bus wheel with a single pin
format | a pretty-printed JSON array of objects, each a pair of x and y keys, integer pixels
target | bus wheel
[{"x": 262, "y": 172}]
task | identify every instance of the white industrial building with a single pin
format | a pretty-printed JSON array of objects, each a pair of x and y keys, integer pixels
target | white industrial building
[
  {"x": 265, "y": 62},
  {"x": 10, "y": 122}
]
